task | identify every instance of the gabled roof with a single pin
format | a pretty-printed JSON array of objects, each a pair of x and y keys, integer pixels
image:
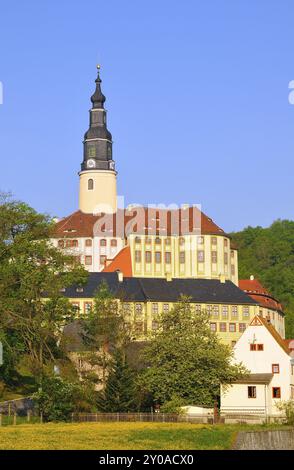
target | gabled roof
[
  {"x": 255, "y": 289},
  {"x": 260, "y": 321},
  {"x": 256, "y": 379},
  {"x": 161, "y": 290},
  {"x": 139, "y": 220},
  {"x": 121, "y": 262}
]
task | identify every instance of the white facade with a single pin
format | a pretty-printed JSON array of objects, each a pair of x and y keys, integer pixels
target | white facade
[{"x": 264, "y": 353}]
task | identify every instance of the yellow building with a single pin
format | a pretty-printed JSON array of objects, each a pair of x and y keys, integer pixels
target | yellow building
[{"x": 170, "y": 251}]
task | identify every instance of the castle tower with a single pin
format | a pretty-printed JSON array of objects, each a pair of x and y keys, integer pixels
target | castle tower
[{"x": 97, "y": 175}]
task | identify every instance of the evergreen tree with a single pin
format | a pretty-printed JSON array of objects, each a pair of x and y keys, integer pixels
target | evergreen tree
[{"x": 120, "y": 391}]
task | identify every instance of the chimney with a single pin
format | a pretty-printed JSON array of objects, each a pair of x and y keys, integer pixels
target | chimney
[
  {"x": 120, "y": 275},
  {"x": 251, "y": 277},
  {"x": 222, "y": 278}
]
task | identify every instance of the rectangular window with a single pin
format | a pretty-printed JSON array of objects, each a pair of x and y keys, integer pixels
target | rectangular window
[
  {"x": 139, "y": 308},
  {"x": 165, "y": 308},
  {"x": 234, "y": 311},
  {"x": 260, "y": 347},
  {"x": 113, "y": 242},
  {"x": 251, "y": 392},
  {"x": 232, "y": 327},
  {"x": 225, "y": 242},
  {"x": 232, "y": 253},
  {"x": 245, "y": 312},
  {"x": 197, "y": 308},
  {"x": 242, "y": 327},
  {"x": 182, "y": 257},
  {"x": 216, "y": 311},
  {"x": 127, "y": 309},
  {"x": 275, "y": 368},
  {"x": 87, "y": 307},
  {"x": 276, "y": 392},
  {"x": 148, "y": 256},
  {"x": 233, "y": 270},
  {"x": 252, "y": 347},
  {"x": 226, "y": 258},
  {"x": 76, "y": 306},
  {"x": 154, "y": 325},
  {"x": 138, "y": 256},
  {"x": 213, "y": 326},
  {"x": 200, "y": 240},
  {"x": 88, "y": 242},
  {"x": 167, "y": 241},
  {"x": 167, "y": 257},
  {"x": 60, "y": 243},
  {"x": 213, "y": 240},
  {"x": 209, "y": 310},
  {"x": 155, "y": 309},
  {"x": 88, "y": 260},
  {"x": 223, "y": 327},
  {"x": 225, "y": 311},
  {"x": 157, "y": 257},
  {"x": 200, "y": 256},
  {"x": 214, "y": 256}
]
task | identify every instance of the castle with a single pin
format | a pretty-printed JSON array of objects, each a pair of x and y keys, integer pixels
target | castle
[{"x": 154, "y": 254}]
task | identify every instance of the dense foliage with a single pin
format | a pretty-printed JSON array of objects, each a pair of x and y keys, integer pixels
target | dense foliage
[
  {"x": 30, "y": 270},
  {"x": 186, "y": 360},
  {"x": 268, "y": 254}
]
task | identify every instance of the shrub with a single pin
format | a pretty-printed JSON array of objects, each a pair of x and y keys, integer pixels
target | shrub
[
  {"x": 57, "y": 399},
  {"x": 288, "y": 408}
]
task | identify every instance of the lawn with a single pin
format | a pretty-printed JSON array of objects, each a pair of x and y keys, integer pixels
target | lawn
[{"x": 120, "y": 436}]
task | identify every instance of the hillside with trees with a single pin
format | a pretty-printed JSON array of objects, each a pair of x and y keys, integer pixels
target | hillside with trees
[{"x": 268, "y": 254}]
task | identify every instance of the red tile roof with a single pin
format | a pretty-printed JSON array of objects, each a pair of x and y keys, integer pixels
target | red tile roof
[
  {"x": 121, "y": 262},
  {"x": 140, "y": 220},
  {"x": 254, "y": 288}
]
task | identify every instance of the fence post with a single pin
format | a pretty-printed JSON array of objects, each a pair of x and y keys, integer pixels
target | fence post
[
  {"x": 9, "y": 409},
  {"x": 0, "y": 419},
  {"x": 117, "y": 416},
  {"x": 14, "y": 419},
  {"x": 72, "y": 417},
  {"x": 41, "y": 417},
  {"x": 28, "y": 416}
]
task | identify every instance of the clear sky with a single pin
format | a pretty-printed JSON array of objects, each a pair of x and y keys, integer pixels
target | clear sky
[{"x": 197, "y": 99}]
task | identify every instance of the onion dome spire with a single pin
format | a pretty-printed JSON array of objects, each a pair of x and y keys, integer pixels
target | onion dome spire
[{"x": 98, "y": 98}]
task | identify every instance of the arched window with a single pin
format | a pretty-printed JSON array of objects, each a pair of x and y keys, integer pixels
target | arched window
[
  {"x": 113, "y": 242},
  {"x": 90, "y": 184},
  {"x": 103, "y": 242}
]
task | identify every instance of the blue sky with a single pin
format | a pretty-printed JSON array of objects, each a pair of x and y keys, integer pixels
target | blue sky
[{"x": 197, "y": 99}]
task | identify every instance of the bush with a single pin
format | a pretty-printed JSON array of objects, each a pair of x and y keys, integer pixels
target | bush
[
  {"x": 57, "y": 399},
  {"x": 173, "y": 406},
  {"x": 288, "y": 408}
]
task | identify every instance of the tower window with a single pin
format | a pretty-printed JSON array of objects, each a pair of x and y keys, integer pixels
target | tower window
[
  {"x": 90, "y": 184},
  {"x": 103, "y": 242},
  {"x": 92, "y": 151}
]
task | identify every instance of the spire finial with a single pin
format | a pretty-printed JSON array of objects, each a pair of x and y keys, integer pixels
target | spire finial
[{"x": 98, "y": 66}]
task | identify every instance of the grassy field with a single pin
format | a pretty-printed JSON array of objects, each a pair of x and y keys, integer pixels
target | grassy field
[{"x": 120, "y": 436}]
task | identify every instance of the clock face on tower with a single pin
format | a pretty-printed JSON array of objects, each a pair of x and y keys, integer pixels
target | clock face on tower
[{"x": 91, "y": 163}]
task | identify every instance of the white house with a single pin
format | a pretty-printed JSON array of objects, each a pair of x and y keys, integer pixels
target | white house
[{"x": 266, "y": 355}]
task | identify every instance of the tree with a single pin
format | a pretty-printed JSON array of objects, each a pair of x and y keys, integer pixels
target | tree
[
  {"x": 105, "y": 332},
  {"x": 268, "y": 253},
  {"x": 32, "y": 273},
  {"x": 119, "y": 394},
  {"x": 186, "y": 360},
  {"x": 57, "y": 399}
]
